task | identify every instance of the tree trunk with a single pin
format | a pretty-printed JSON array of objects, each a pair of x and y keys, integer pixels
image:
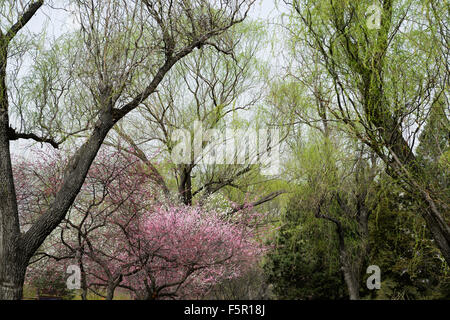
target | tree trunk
[
  {"x": 112, "y": 285},
  {"x": 84, "y": 287},
  {"x": 110, "y": 291},
  {"x": 12, "y": 270},
  {"x": 351, "y": 280},
  {"x": 351, "y": 276},
  {"x": 11, "y": 286},
  {"x": 84, "y": 293},
  {"x": 185, "y": 187},
  {"x": 440, "y": 233}
]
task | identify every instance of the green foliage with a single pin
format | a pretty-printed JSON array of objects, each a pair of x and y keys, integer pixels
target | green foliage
[
  {"x": 370, "y": 83},
  {"x": 411, "y": 266},
  {"x": 304, "y": 262},
  {"x": 434, "y": 147}
]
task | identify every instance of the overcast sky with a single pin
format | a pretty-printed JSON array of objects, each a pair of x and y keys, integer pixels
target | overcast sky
[{"x": 262, "y": 9}]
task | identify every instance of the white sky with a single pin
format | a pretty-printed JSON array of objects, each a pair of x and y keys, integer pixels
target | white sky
[{"x": 264, "y": 9}]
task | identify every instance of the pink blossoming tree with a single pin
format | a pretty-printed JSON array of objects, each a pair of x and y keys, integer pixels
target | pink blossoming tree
[{"x": 121, "y": 236}]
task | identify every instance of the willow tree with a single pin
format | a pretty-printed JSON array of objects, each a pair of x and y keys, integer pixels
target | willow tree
[
  {"x": 384, "y": 66},
  {"x": 87, "y": 82},
  {"x": 216, "y": 89},
  {"x": 335, "y": 177}
]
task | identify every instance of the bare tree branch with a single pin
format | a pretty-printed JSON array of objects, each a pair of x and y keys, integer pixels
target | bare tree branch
[
  {"x": 262, "y": 200},
  {"x": 13, "y": 135},
  {"x": 23, "y": 20}
]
